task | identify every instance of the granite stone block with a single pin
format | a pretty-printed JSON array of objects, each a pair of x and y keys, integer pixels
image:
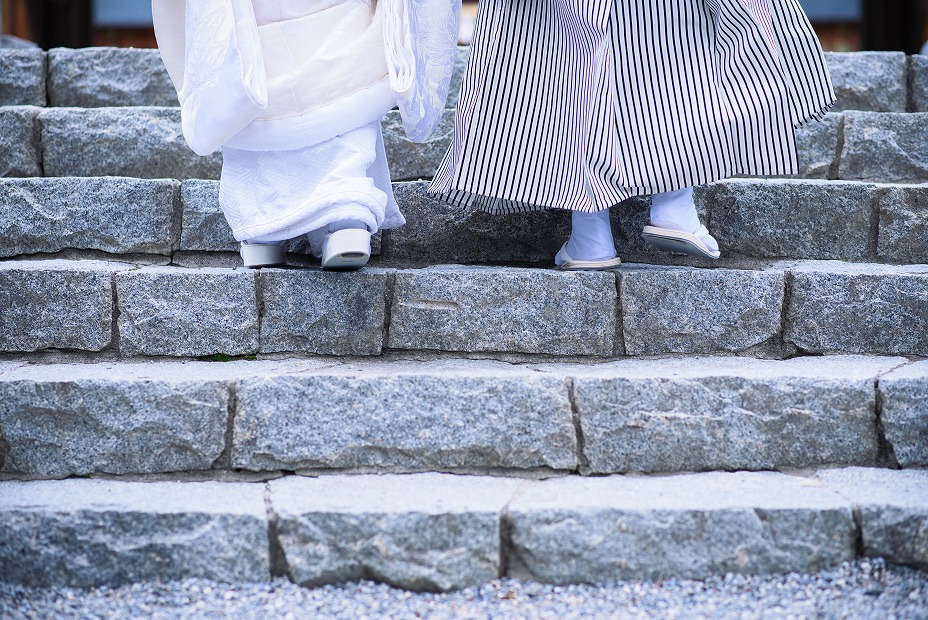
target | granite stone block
[
  {"x": 454, "y": 308},
  {"x": 204, "y": 227},
  {"x": 858, "y": 308},
  {"x": 115, "y": 215},
  {"x": 599, "y": 530},
  {"x": 817, "y": 147},
  {"x": 918, "y": 83},
  {"x": 322, "y": 312},
  {"x": 20, "y": 145},
  {"x": 98, "y": 77},
  {"x": 187, "y": 312},
  {"x": 903, "y": 225},
  {"x": 892, "y": 508},
  {"x": 140, "y": 142},
  {"x": 885, "y": 148},
  {"x": 79, "y": 419},
  {"x": 85, "y": 533},
  {"x": 410, "y": 160},
  {"x": 904, "y": 394},
  {"x": 56, "y": 305},
  {"x": 872, "y": 81},
  {"x": 430, "y": 532},
  {"x": 22, "y": 77},
  {"x": 699, "y": 414},
  {"x": 437, "y": 232},
  {"x": 793, "y": 219},
  {"x": 407, "y": 416},
  {"x": 684, "y": 310}
]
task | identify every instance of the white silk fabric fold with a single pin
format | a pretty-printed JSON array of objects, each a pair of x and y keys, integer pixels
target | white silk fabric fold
[
  {"x": 301, "y": 76},
  {"x": 421, "y": 38}
]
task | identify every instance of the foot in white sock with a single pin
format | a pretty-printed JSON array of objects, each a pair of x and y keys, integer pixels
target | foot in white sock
[
  {"x": 590, "y": 245},
  {"x": 675, "y": 225}
]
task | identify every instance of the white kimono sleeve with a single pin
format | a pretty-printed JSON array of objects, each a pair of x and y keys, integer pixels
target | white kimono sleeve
[
  {"x": 421, "y": 38},
  {"x": 213, "y": 55}
]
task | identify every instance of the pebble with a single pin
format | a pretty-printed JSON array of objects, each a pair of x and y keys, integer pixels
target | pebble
[{"x": 863, "y": 589}]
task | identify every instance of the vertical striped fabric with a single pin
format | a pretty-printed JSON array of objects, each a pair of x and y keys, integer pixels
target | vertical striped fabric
[{"x": 580, "y": 104}]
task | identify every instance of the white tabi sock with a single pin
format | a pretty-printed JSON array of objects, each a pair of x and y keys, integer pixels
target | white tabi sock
[
  {"x": 677, "y": 211},
  {"x": 346, "y": 224},
  {"x": 590, "y": 236}
]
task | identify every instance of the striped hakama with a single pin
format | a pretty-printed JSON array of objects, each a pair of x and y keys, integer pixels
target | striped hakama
[{"x": 581, "y": 104}]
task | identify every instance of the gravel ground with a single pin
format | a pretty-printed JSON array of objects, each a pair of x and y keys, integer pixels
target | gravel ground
[{"x": 863, "y": 589}]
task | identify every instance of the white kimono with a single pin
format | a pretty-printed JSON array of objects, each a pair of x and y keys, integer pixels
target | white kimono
[{"x": 293, "y": 91}]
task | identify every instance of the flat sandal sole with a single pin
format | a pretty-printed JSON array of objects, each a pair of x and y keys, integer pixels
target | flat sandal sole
[{"x": 678, "y": 242}]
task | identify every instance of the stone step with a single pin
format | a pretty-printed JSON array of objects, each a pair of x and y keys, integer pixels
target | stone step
[
  {"x": 456, "y": 415},
  {"x": 112, "y": 77},
  {"x": 810, "y": 307},
  {"x": 147, "y": 142},
  {"x": 441, "y": 532},
  {"x": 166, "y": 221}
]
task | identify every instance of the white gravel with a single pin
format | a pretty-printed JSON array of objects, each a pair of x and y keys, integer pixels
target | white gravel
[{"x": 863, "y": 589}]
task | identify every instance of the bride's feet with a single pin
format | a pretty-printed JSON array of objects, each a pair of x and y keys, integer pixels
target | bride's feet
[
  {"x": 675, "y": 226},
  {"x": 590, "y": 245}
]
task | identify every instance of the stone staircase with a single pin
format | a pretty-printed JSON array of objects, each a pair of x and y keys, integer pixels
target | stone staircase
[{"x": 458, "y": 411}]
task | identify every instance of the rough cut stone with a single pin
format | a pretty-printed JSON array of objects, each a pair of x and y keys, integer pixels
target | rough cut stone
[
  {"x": 872, "y": 81},
  {"x": 56, "y": 305},
  {"x": 63, "y": 420},
  {"x": 793, "y": 219},
  {"x": 575, "y": 530},
  {"x": 817, "y": 146},
  {"x": 20, "y": 147},
  {"x": 684, "y": 310},
  {"x": 905, "y": 413},
  {"x": 323, "y": 312},
  {"x": 108, "y": 77},
  {"x": 454, "y": 308},
  {"x": 409, "y": 160},
  {"x": 145, "y": 143},
  {"x": 409, "y": 416},
  {"x": 885, "y": 147},
  {"x": 858, "y": 308},
  {"x": 187, "y": 312},
  {"x": 120, "y": 216},
  {"x": 437, "y": 232},
  {"x": 422, "y": 532},
  {"x": 85, "y": 533},
  {"x": 204, "y": 226},
  {"x": 903, "y": 236},
  {"x": 918, "y": 83},
  {"x": 8, "y": 41},
  {"x": 893, "y": 508},
  {"x": 22, "y": 77},
  {"x": 697, "y": 414}
]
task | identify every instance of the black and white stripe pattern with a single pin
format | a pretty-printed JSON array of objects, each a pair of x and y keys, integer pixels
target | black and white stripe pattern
[{"x": 580, "y": 104}]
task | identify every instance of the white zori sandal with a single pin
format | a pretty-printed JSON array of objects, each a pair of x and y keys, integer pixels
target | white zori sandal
[
  {"x": 673, "y": 214},
  {"x": 346, "y": 250},
  {"x": 565, "y": 262},
  {"x": 681, "y": 242},
  {"x": 256, "y": 255}
]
